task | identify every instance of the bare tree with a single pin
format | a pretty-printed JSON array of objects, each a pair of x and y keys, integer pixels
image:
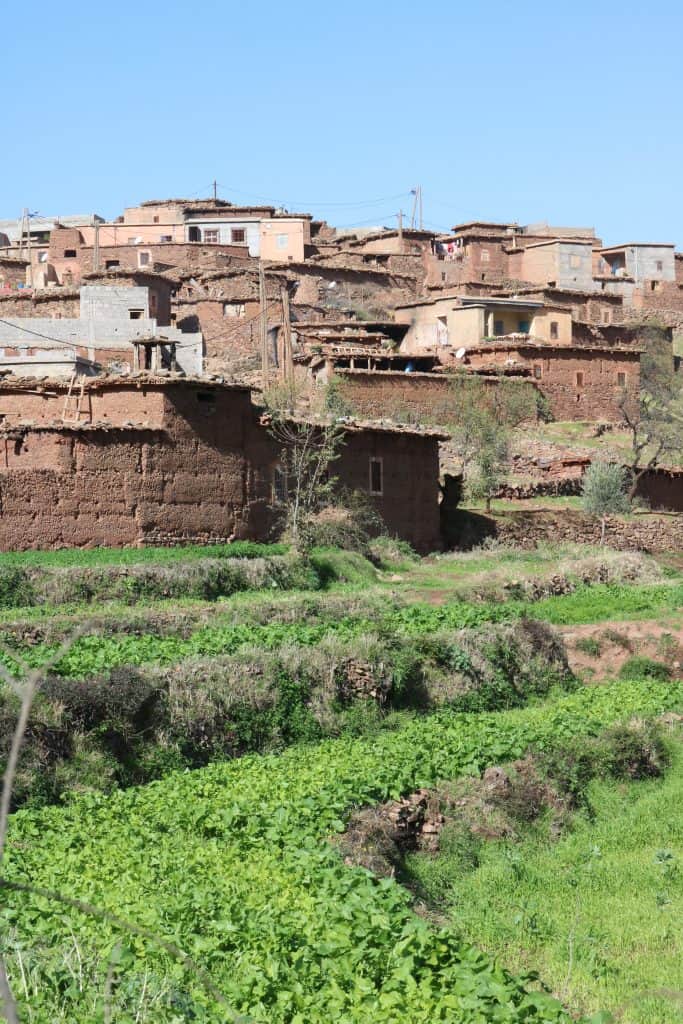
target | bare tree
[
  {"x": 304, "y": 484},
  {"x": 653, "y": 417}
]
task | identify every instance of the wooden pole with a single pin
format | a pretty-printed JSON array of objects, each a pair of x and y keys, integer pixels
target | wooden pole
[
  {"x": 263, "y": 323},
  {"x": 287, "y": 354},
  {"x": 400, "y": 230}
]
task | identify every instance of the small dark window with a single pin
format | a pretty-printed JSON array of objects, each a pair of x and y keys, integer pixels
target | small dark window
[
  {"x": 166, "y": 238},
  {"x": 523, "y": 326},
  {"x": 621, "y": 380},
  {"x": 194, "y": 234},
  {"x": 579, "y": 379},
  {"x": 554, "y": 330},
  {"x": 111, "y": 265},
  {"x": 376, "y": 481},
  {"x": 660, "y": 266},
  {"x": 498, "y": 327},
  {"x": 538, "y": 372},
  {"x": 70, "y": 254},
  {"x": 136, "y": 314},
  {"x": 156, "y": 220},
  {"x": 238, "y": 235},
  {"x": 655, "y": 286},
  {"x": 206, "y": 397}
]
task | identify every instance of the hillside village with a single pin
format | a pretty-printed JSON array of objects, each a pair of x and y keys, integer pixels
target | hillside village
[{"x": 139, "y": 350}]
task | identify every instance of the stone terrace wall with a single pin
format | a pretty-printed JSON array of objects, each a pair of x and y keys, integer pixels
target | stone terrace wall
[{"x": 645, "y": 532}]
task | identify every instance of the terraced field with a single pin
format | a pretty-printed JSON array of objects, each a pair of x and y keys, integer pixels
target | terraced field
[{"x": 296, "y": 691}]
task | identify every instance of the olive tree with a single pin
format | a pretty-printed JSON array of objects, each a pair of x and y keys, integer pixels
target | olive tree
[{"x": 604, "y": 492}]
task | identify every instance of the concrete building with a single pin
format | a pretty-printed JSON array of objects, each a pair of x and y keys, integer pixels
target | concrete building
[
  {"x": 462, "y": 321},
  {"x": 640, "y": 261},
  {"x": 110, "y": 320},
  {"x": 264, "y": 231},
  {"x": 564, "y": 263},
  {"x": 40, "y": 227}
]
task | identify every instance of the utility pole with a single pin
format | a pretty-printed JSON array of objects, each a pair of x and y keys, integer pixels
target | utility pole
[
  {"x": 400, "y": 230},
  {"x": 263, "y": 324},
  {"x": 215, "y": 190},
  {"x": 96, "y": 248},
  {"x": 287, "y": 354},
  {"x": 28, "y": 247},
  {"x": 417, "y": 206}
]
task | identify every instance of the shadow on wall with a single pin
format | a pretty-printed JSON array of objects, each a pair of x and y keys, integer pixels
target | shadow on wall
[{"x": 461, "y": 530}]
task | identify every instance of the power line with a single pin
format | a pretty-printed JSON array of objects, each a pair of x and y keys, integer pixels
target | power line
[
  {"x": 318, "y": 202},
  {"x": 45, "y": 337}
]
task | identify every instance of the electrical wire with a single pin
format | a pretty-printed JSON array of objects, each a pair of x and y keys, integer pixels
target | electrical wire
[
  {"x": 45, "y": 337},
  {"x": 319, "y": 202}
]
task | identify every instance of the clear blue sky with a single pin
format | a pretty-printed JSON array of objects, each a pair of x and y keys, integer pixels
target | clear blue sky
[{"x": 559, "y": 111}]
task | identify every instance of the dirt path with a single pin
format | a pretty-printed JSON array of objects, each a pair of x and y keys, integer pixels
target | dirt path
[{"x": 598, "y": 650}]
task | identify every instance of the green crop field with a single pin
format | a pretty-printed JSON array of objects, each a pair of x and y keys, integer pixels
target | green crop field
[{"x": 214, "y": 892}]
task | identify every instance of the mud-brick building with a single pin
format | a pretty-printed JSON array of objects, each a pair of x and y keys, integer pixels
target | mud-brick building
[
  {"x": 168, "y": 459},
  {"x": 580, "y": 382}
]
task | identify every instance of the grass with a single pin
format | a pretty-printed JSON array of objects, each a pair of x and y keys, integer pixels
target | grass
[
  {"x": 598, "y": 914},
  {"x": 86, "y": 557}
]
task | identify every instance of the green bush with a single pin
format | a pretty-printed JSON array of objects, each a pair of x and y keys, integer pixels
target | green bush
[{"x": 639, "y": 667}]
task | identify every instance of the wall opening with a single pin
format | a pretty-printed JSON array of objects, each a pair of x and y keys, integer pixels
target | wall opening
[{"x": 376, "y": 476}]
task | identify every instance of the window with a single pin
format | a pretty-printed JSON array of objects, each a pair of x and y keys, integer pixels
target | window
[
  {"x": 376, "y": 481},
  {"x": 69, "y": 254},
  {"x": 282, "y": 241},
  {"x": 166, "y": 238},
  {"x": 485, "y": 257},
  {"x": 136, "y": 314},
  {"x": 156, "y": 219},
  {"x": 111, "y": 264},
  {"x": 193, "y": 234},
  {"x": 211, "y": 235},
  {"x": 660, "y": 266},
  {"x": 42, "y": 257},
  {"x": 621, "y": 380},
  {"x": 498, "y": 327},
  {"x": 606, "y": 316},
  {"x": 233, "y": 309},
  {"x": 538, "y": 371},
  {"x": 655, "y": 286},
  {"x": 143, "y": 259},
  {"x": 554, "y": 330},
  {"x": 238, "y": 236},
  {"x": 523, "y": 326},
  {"x": 152, "y": 302},
  {"x": 579, "y": 379}
]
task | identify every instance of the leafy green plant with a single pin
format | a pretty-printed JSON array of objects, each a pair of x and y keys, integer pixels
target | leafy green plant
[
  {"x": 233, "y": 862},
  {"x": 640, "y": 667}
]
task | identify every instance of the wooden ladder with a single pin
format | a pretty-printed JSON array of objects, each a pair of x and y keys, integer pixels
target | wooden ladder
[{"x": 75, "y": 393}]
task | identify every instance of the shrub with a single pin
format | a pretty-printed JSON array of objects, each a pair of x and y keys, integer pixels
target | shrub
[
  {"x": 640, "y": 667},
  {"x": 589, "y": 645}
]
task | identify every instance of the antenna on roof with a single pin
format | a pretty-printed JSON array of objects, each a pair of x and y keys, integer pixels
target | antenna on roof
[{"x": 215, "y": 190}]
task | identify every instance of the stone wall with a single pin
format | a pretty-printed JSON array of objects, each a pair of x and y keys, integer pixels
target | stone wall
[{"x": 644, "y": 532}]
